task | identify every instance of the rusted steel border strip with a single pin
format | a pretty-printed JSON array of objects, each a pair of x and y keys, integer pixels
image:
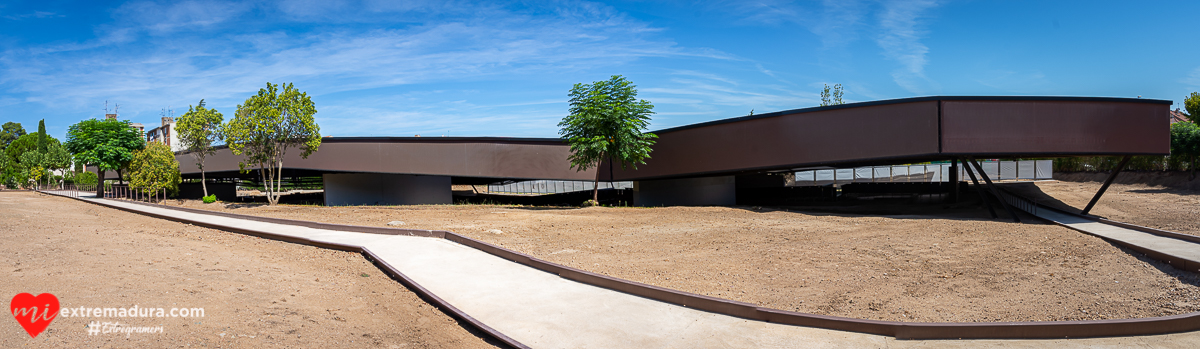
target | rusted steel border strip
[
  {"x": 900, "y": 330},
  {"x": 404, "y": 279}
]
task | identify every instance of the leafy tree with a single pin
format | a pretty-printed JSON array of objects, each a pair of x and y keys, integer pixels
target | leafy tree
[
  {"x": 154, "y": 168},
  {"x": 33, "y": 162},
  {"x": 836, "y": 95},
  {"x": 24, "y": 144},
  {"x": 56, "y": 157},
  {"x": 1192, "y": 104},
  {"x": 10, "y": 132},
  {"x": 12, "y": 175},
  {"x": 198, "y": 129},
  {"x": 1185, "y": 143},
  {"x": 266, "y": 126},
  {"x": 108, "y": 144},
  {"x": 42, "y": 143},
  {"x": 606, "y": 122}
]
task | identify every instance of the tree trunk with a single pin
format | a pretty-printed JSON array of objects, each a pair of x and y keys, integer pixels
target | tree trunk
[
  {"x": 120, "y": 176},
  {"x": 203, "y": 185},
  {"x": 99, "y": 182},
  {"x": 596, "y": 187}
]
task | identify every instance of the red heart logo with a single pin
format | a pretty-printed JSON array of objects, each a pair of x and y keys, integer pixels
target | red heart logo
[{"x": 34, "y": 313}]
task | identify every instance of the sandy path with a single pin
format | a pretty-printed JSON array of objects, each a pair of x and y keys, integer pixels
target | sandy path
[
  {"x": 255, "y": 292},
  {"x": 902, "y": 267}
]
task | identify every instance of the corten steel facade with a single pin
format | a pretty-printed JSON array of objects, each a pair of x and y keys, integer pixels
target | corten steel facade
[{"x": 882, "y": 132}]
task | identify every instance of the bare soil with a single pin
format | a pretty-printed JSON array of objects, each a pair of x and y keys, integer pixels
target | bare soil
[
  {"x": 1159, "y": 205},
  {"x": 255, "y": 292},
  {"x": 930, "y": 267}
]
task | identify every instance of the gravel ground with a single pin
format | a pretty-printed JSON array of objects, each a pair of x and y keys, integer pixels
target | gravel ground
[
  {"x": 943, "y": 265},
  {"x": 255, "y": 292}
]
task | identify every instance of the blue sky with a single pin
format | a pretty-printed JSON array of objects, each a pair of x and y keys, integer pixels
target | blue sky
[{"x": 399, "y": 68}]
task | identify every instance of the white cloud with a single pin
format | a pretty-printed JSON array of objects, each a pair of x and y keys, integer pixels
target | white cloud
[
  {"x": 34, "y": 15},
  {"x": 901, "y": 41},
  {"x": 1193, "y": 79},
  {"x": 163, "y": 18},
  {"x": 132, "y": 64}
]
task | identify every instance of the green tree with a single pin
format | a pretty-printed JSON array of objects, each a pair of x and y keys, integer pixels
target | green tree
[
  {"x": 607, "y": 121},
  {"x": 833, "y": 97},
  {"x": 108, "y": 144},
  {"x": 43, "y": 142},
  {"x": 1192, "y": 105},
  {"x": 198, "y": 129},
  {"x": 1185, "y": 144},
  {"x": 24, "y": 144},
  {"x": 154, "y": 168},
  {"x": 34, "y": 164},
  {"x": 268, "y": 124},
  {"x": 9, "y": 133},
  {"x": 11, "y": 173},
  {"x": 57, "y": 157}
]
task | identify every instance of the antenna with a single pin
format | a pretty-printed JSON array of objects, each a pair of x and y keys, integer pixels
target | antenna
[
  {"x": 117, "y": 110},
  {"x": 106, "y": 106}
]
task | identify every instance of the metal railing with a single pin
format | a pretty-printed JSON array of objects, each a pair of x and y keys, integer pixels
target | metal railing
[
  {"x": 1020, "y": 203},
  {"x": 552, "y": 187},
  {"x": 127, "y": 192},
  {"x": 925, "y": 173},
  {"x": 111, "y": 191}
]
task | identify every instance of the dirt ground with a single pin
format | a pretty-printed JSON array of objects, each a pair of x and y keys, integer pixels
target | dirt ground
[
  {"x": 943, "y": 265},
  {"x": 255, "y": 292},
  {"x": 1153, "y": 206}
]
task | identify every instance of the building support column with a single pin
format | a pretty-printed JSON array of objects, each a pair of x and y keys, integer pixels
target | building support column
[
  {"x": 995, "y": 192},
  {"x": 954, "y": 181},
  {"x": 1107, "y": 182},
  {"x": 979, "y": 189}
]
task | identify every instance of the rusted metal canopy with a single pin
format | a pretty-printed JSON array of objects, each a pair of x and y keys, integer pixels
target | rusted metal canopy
[{"x": 880, "y": 132}]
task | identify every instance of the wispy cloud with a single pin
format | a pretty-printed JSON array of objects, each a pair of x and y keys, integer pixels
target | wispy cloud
[
  {"x": 32, "y": 15},
  {"x": 688, "y": 96},
  {"x": 134, "y": 64},
  {"x": 900, "y": 40},
  {"x": 1193, "y": 79}
]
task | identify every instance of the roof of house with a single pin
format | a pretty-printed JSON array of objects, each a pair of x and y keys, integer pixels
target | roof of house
[{"x": 1178, "y": 115}]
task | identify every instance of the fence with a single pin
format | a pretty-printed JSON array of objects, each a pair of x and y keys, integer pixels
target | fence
[
  {"x": 997, "y": 170},
  {"x": 552, "y": 187},
  {"x": 111, "y": 191}
]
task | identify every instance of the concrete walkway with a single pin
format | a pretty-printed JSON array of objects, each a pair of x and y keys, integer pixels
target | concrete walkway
[
  {"x": 1179, "y": 248},
  {"x": 542, "y": 310}
]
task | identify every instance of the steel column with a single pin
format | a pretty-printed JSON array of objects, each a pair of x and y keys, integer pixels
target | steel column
[
  {"x": 979, "y": 189},
  {"x": 1107, "y": 182},
  {"x": 995, "y": 192}
]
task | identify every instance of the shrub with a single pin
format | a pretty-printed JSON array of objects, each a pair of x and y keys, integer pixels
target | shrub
[
  {"x": 154, "y": 168},
  {"x": 211, "y": 198}
]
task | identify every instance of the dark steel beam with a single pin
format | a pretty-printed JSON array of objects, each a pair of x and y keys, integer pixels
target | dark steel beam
[
  {"x": 1107, "y": 182},
  {"x": 979, "y": 189},
  {"x": 995, "y": 192},
  {"x": 954, "y": 180}
]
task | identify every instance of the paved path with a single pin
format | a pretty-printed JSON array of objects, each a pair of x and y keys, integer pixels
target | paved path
[
  {"x": 542, "y": 310},
  {"x": 1179, "y": 248}
]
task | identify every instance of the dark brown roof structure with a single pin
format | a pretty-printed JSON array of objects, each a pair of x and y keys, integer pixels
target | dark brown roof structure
[{"x": 881, "y": 132}]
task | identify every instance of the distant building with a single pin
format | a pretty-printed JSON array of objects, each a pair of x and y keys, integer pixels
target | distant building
[
  {"x": 165, "y": 134},
  {"x": 1178, "y": 115},
  {"x": 141, "y": 128}
]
